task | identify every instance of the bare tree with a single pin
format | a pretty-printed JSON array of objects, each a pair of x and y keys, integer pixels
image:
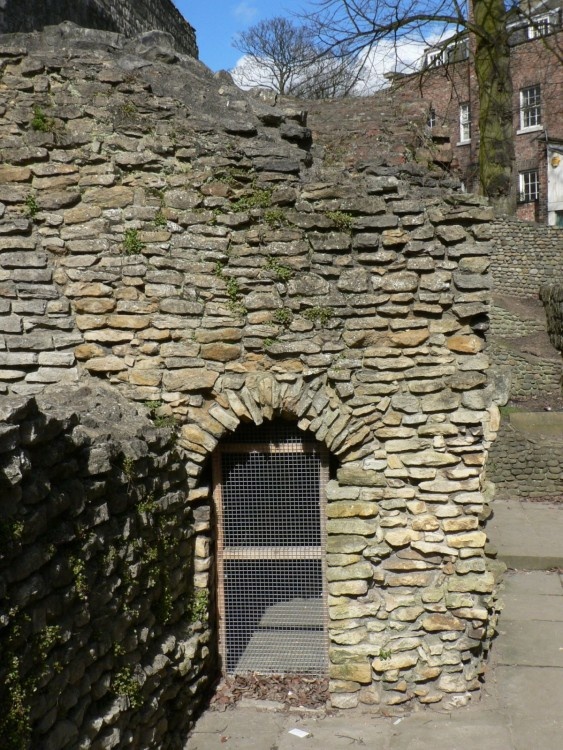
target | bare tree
[
  {"x": 357, "y": 25},
  {"x": 286, "y": 57}
]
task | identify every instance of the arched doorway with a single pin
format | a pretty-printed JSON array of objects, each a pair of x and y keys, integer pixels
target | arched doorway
[{"x": 269, "y": 495}]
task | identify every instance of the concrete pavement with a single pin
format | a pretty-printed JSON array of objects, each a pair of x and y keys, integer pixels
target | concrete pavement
[{"x": 521, "y": 704}]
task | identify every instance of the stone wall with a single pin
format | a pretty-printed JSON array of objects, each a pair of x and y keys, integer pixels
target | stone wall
[
  {"x": 104, "y": 639},
  {"x": 523, "y": 462},
  {"x": 506, "y": 324},
  {"x": 552, "y": 297},
  {"x": 169, "y": 236},
  {"x": 530, "y": 377},
  {"x": 519, "y": 346},
  {"x": 526, "y": 256},
  {"x": 128, "y": 17}
]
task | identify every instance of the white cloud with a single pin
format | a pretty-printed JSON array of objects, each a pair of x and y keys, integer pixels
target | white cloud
[
  {"x": 245, "y": 12},
  {"x": 387, "y": 57},
  {"x": 384, "y": 57},
  {"x": 247, "y": 74}
]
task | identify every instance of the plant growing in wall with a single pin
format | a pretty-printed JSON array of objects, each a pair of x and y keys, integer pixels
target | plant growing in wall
[
  {"x": 18, "y": 687},
  {"x": 40, "y": 122},
  {"x": 127, "y": 686},
  {"x": 257, "y": 198},
  {"x": 341, "y": 219},
  {"x": 283, "y": 316},
  {"x": 320, "y": 315},
  {"x": 282, "y": 273},
  {"x": 199, "y": 606},
  {"x": 78, "y": 568},
  {"x": 132, "y": 244},
  {"x": 235, "y": 303},
  {"x": 31, "y": 206},
  {"x": 275, "y": 218}
]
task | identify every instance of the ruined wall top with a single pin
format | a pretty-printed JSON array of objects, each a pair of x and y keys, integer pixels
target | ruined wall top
[{"x": 128, "y": 17}]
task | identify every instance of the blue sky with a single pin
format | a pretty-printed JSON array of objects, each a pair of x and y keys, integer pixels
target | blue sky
[{"x": 217, "y": 21}]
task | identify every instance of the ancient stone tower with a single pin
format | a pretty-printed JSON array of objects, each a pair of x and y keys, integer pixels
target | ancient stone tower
[{"x": 245, "y": 410}]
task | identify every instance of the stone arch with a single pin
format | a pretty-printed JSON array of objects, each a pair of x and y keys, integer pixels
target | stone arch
[
  {"x": 263, "y": 396},
  {"x": 257, "y": 396}
]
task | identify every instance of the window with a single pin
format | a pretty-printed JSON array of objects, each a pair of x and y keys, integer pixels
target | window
[
  {"x": 431, "y": 121},
  {"x": 450, "y": 53},
  {"x": 459, "y": 50},
  {"x": 529, "y": 186},
  {"x": 538, "y": 27},
  {"x": 434, "y": 58},
  {"x": 530, "y": 107},
  {"x": 464, "y": 123}
]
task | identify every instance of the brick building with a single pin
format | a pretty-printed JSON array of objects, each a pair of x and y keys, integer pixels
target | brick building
[{"x": 448, "y": 84}]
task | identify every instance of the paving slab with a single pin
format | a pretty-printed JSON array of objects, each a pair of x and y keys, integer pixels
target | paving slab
[
  {"x": 339, "y": 732},
  {"x": 533, "y": 701},
  {"x": 535, "y": 582},
  {"x": 531, "y": 693},
  {"x": 237, "y": 729},
  {"x": 486, "y": 731},
  {"x": 528, "y": 535},
  {"x": 532, "y": 595},
  {"x": 535, "y": 644}
]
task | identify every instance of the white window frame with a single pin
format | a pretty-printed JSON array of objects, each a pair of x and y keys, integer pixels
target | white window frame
[
  {"x": 529, "y": 185},
  {"x": 540, "y": 26},
  {"x": 458, "y": 49},
  {"x": 434, "y": 57},
  {"x": 464, "y": 123},
  {"x": 530, "y": 108}
]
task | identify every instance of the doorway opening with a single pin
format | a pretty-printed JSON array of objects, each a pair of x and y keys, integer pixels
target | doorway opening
[{"x": 269, "y": 495}]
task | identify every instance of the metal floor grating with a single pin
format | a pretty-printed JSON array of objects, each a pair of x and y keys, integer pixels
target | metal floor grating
[{"x": 269, "y": 499}]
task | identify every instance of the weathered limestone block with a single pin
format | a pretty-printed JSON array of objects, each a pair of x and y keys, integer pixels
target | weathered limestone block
[
  {"x": 399, "y": 661},
  {"x": 360, "y": 672},
  {"x": 189, "y": 379},
  {"x": 353, "y": 509},
  {"x": 356, "y": 475}
]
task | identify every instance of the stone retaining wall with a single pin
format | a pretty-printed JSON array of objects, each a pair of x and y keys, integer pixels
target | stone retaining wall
[
  {"x": 166, "y": 235},
  {"x": 530, "y": 377},
  {"x": 552, "y": 298},
  {"x": 104, "y": 580},
  {"x": 526, "y": 256},
  {"x": 128, "y": 17},
  {"x": 522, "y": 464},
  {"x": 509, "y": 325}
]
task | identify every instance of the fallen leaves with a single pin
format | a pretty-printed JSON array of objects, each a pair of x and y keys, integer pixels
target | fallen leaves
[{"x": 291, "y": 690}]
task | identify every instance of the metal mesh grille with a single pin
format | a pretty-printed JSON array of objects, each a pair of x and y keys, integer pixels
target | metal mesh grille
[
  {"x": 271, "y": 499},
  {"x": 270, "y": 555},
  {"x": 270, "y": 432}
]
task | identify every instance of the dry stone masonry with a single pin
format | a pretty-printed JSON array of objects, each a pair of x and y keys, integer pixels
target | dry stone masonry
[
  {"x": 104, "y": 636},
  {"x": 526, "y": 256},
  {"x": 526, "y": 460},
  {"x": 169, "y": 238}
]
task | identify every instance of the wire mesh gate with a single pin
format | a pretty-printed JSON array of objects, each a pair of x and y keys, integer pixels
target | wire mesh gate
[{"x": 269, "y": 490}]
